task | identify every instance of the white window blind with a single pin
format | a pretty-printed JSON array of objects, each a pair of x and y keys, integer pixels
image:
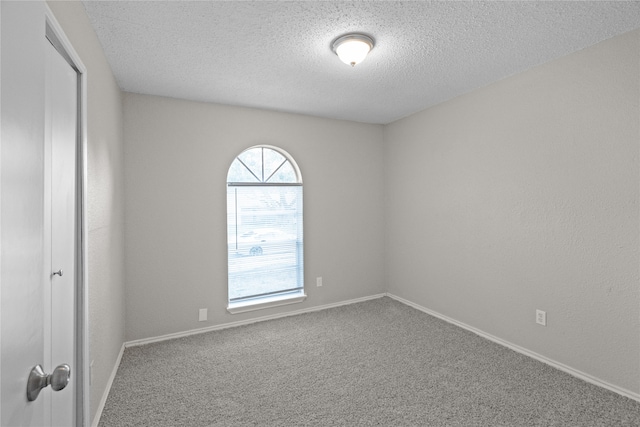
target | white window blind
[{"x": 264, "y": 227}]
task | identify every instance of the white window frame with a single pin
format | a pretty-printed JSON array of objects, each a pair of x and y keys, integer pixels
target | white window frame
[{"x": 260, "y": 303}]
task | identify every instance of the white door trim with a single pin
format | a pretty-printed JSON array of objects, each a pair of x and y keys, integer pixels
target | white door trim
[{"x": 82, "y": 372}]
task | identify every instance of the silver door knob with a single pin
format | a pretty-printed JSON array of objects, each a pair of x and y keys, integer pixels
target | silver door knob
[
  {"x": 38, "y": 380},
  {"x": 58, "y": 273}
]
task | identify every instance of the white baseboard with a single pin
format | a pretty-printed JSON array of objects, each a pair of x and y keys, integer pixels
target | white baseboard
[
  {"x": 107, "y": 389},
  {"x": 144, "y": 341},
  {"x": 562, "y": 367},
  {"x": 571, "y": 371}
]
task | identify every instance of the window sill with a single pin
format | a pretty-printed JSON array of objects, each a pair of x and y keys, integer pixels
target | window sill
[{"x": 262, "y": 303}]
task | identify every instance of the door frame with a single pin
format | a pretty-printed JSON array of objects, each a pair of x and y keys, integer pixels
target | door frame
[{"x": 82, "y": 371}]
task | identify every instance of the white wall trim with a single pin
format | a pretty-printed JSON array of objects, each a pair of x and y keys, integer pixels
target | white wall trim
[
  {"x": 144, "y": 341},
  {"x": 564, "y": 368},
  {"x": 107, "y": 389},
  {"x": 560, "y": 366},
  {"x": 167, "y": 337},
  {"x": 276, "y": 302},
  {"x": 82, "y": 373}
]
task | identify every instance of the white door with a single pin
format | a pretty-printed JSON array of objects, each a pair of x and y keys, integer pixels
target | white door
[
  {"x": 39, "y": 192},
  {"x": 61, "y": 123},
  {"x": 21, "y": 204},
  {"x": 37, "y": 219}
]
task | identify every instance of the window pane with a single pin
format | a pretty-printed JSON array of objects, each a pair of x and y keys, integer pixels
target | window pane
[
  {"x": 265, "y": 241},
  {"x": 239, "y": 173},
  {"x": 262, "y": 164},
  {"x": 284, "y": 174},
  {"x": 253, "y": 159},
  {"x": 272, "y": 161}
]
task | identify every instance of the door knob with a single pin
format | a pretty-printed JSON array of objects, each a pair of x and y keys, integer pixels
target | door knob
[
  {"x": 58, "y": 273},
  {"x": 38, "y": 380}
]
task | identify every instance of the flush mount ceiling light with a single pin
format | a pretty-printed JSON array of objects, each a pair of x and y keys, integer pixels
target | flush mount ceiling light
[{"x": 352, "y": 48}]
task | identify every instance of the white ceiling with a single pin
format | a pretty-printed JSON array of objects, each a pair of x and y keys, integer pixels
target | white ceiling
[{"x": 277, "y": 55}]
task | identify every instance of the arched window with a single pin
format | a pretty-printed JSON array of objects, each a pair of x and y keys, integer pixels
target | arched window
[{"x": 264, "y": 230}]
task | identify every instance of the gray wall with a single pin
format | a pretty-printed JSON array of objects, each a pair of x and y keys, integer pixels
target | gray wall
[
  {"x": 105, "y": 197},
  {"x": 523, "y": 195},
  {"x": 177, "y": 154}
]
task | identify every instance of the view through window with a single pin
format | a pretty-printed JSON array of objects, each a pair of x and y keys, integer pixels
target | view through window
[{"x": 264, "y": 227}]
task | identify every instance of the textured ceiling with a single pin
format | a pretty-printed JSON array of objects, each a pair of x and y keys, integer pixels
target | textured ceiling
[{"x": 277, "y": 55}]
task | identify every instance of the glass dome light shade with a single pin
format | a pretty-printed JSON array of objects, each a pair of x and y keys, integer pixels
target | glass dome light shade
[{"x": 352, "y": 48}]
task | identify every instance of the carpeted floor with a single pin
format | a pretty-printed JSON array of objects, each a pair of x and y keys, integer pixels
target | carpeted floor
[{"x": 379, "y": 362}]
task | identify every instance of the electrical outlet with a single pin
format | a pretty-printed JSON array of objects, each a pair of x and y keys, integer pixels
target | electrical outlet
[
  {"x": 202, "y": 315},
  {"x": 541, "y": 317},
  {"x": 319, "y": 281}
]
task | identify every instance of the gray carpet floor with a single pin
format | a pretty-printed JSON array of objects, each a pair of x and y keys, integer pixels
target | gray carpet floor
[{"x": 378, "y": 362}]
